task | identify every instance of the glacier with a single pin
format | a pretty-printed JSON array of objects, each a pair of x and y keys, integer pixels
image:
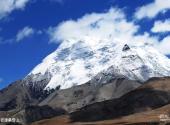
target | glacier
[{"x": 75, "y": 62}]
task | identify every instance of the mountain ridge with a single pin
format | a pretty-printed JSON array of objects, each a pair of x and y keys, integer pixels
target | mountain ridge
[{"x": 77, "y": 62}]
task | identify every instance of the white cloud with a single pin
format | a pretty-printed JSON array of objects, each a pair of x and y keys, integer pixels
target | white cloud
[
  {"x": 96, "y": 25},
  {"x": 108, "y": 25},
  {"x": 153, "y": 9},
  {"x": 164, "y": 45},
  {"x": 161, "y": 26},
  {"x": 24, "y": 33},
  {"x": 7, "y": 6}
]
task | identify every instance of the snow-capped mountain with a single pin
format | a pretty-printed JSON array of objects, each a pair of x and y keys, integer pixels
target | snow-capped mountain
[{"x": 75, "y": 62}]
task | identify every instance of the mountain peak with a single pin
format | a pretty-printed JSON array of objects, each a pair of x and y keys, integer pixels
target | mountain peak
[
  {"x": 125, "y": 48},
  {"x": 76, "y": 62}
]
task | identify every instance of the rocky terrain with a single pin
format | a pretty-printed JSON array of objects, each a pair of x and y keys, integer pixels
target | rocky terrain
[
  {"x": 145, "y": 118},
  {"x": 153, "y": 94},
  {"x": 80, "y": 96},
  {"x": 67, "y": 100},
  {"x": 119, "y": 102},
  {"x": 133, "y": 108}
]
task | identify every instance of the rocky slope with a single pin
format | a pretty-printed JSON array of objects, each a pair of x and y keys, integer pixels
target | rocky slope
[
  {"x": 82, "y": 95},
  {"x": 15, "y": 96},
  {"x": 20, "y": 94},
  {"x": 143, "y": 118},
  {"x": 142, "y": 106},
  {"x": 153, "y": 94},
  {"x": 65, "y": 101}
]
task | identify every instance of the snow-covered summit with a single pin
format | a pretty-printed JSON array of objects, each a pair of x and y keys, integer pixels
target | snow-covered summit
[{"x": 76, "y": 62}]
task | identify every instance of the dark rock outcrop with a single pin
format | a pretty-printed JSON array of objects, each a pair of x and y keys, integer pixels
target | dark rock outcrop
[
  {"x": 152, "y": 95},
  {"x": 23, "y": 93},
  {"x": 16, "y": 95},
  {"x": 35, "y": 113},
  {"x": 126, "y": 47}
]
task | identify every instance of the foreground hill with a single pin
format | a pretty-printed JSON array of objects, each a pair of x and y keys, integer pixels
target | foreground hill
[
  {"x": 89, "y": 102},
  {"x": 60, "y": 101},
  {"x": 153, "y": 94},
  {"x": 79, "y": 96},
  {"x": 141, "y": 106},
  {"x": 145, "y": 118}
]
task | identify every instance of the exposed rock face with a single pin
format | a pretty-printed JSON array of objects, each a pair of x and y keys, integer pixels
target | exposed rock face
[
  {"x": 80, "y": 96},
  {"x": 21, "y": 94},
  {"x": 36, "y": 83},
  {"x": 154, "y": 94},
  {"x": 16, "y": 95},
  {"x": 35, "y": 113},
  {"x": 108, "y": 99},
  {"x": 126, "y": 47}
]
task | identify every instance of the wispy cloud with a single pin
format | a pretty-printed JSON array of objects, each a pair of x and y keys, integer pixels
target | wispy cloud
[
  {"x": 110, "y": 25},
  {"x": 1, "y": 80},
  {"x": 24, "y": 33},
  {"x": 21, "y": 35},
  {"x": 153, "y": 9},
  {"x": 164, "y": 45},
  {"x": 161, "y": 26},
  {"x": 95, "y": 25},
  {"x": 7, "y": 6}
]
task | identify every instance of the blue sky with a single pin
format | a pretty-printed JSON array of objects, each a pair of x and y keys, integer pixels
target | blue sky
[{"x": 32, "y": 29}]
